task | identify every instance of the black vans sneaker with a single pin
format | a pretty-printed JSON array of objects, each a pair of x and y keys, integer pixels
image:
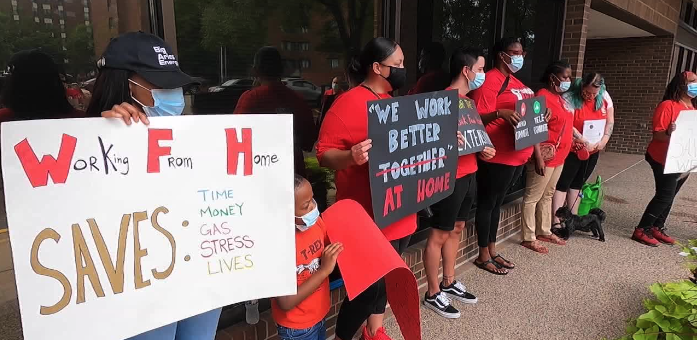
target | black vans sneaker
[
  {"x": 440, "y": 304},
  {"x": 457, "y": 291}
]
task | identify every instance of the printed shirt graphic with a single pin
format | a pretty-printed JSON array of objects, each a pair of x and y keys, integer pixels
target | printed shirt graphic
[
  {"x": 500, "y": 131},
  {"x": 666, "y": 113},
  {"x": 309, "y": 247},
  {"x": 345, "y": 125}
]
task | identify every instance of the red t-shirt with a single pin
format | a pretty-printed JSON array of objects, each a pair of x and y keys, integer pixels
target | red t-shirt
[
  {"x": 665, "y": 114},
  {"x": 588, "y": 111},
  {"x": 500, "y": 131},
  {"x": 560, "y": 119},
  {"x": 277, "y": 98},
  {"x": 309, "y": 247},
  {"x": 430, "y": 82},
  {"x": 345, "y": 125},
  {"x": 467, "y": 164}
]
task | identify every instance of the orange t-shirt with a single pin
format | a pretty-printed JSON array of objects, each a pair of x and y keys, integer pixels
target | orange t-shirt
[
  {"x": 500, "y": 131},
  {"x": 467, "y": 164},
  {"x": 309, "y": 247},
  {"x": 560, "y": 119},
  {"x": 665, "y": 114},
  {"x": 345, "y": 125}
]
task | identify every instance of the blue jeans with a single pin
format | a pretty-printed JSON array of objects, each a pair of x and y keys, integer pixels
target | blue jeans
[
  {"x": 197, "y": 327},
  {"x": 316, "y": 332}
]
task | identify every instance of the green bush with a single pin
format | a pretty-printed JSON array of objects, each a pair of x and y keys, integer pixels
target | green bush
[{"x": 671, "y": 314}]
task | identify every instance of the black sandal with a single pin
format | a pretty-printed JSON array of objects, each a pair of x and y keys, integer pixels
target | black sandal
[
  {"x": 500, "y": 264},
  {"x": 483, "y": 266}
]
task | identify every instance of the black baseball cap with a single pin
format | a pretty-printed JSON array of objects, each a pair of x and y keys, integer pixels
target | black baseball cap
[{"x": 146, "y": 55}]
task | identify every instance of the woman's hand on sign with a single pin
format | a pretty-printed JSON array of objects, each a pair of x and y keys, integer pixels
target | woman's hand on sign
[
  {"x": 126, "y": 112},
  {"x": 359, "y": 152},
  {"x": 329, "y": 257},
  {"x": 510, "y": 116},
  {"x": 671, "y": 128},
  {"x": 487, "y": 153},
  {"x": 461, "y": 139},
  {"x": 548, "y": 114}
]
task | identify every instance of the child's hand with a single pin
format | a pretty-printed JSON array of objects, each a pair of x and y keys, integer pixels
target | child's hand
[{"x": 329, "y": 257}]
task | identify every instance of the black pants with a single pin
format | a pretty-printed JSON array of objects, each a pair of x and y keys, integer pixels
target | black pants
[
  {"x": 576, "y": 172},
  {"x": 666, "y": 188},
  {"x": 352, "y": 314},
  {"x": 493, "y": 181}
]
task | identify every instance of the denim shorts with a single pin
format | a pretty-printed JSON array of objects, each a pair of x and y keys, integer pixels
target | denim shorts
[{"x": 316, "y": 332}]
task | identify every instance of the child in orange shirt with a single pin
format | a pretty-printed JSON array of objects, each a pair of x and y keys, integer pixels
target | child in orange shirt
[{"x": 302, "y": 316}]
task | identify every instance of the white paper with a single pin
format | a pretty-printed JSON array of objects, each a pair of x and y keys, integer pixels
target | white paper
[
  {"x": 254, "y": 244},
  {"x": 681, "y": 156},
  {"x": 594, "y": 130}
]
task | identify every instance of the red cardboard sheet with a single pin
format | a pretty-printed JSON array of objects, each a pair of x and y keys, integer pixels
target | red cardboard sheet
[{"x": 368, "y": 257}]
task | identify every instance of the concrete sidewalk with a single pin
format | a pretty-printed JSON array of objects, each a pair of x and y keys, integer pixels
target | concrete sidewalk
[{"x": 585, "y": 290}]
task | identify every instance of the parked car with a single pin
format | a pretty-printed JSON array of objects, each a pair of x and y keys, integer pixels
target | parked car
[
  {"x": 309, "y": 91},
  {"x": 232, "y": 83}
]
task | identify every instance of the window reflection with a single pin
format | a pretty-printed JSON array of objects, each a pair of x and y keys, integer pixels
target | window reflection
[{"x": 459, "y": 23}]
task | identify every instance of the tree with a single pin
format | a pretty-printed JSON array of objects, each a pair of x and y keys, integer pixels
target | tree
[
  {"x": 81, "y": 50},
  {"x": 350, "y": 17},
  {"x": 27, "y": 35}
]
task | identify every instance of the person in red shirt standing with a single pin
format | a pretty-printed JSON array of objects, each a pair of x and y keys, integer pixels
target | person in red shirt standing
[
  {"x": 433, "y": 78},
  {"x": 590, "y": 101},
  {"x": 545, "y": 167},
  {"x": 678, "y": 97},
  {"x": 302, "y": 316},
  {"x": 450, "y": 214},
  {"x": 496, "y": 101},
  {"x": 272, "y": 96},
  {"x": 344, "y": 146}
]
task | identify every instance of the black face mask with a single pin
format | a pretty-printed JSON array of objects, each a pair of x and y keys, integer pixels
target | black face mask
[{"x": 397, "y": 77}]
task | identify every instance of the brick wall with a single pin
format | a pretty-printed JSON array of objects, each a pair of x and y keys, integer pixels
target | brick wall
[
  {"x": 661, "y": 13},
  {"x": 575, "y": 36},
  {"x": 636, "y": 72},
  {"x": 510, "y": 224}
]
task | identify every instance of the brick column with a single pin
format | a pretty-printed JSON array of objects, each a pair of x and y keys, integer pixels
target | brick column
[{"x": 575, "y": 37}]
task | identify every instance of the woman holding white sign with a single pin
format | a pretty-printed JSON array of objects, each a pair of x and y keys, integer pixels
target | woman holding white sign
[
  {"x": 343, "y": 146},
  {"x": 132, "y": 87},
  {"x": 592, "y": 128},
  {"x": 544, "y": 170},
  {"x": 678, "y": 97},
  {"x": 496, "y": 101}
]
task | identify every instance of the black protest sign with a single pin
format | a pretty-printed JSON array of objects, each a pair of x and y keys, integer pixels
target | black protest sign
[
  {"x": 413, "y": 161},
  {"x": 470, "y": 126},
  {"x": 532, "y": 129}
]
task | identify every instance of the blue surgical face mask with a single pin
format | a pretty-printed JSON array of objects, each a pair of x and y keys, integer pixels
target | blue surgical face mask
[
  {"x": 565, "y": 85},
  {"x": 691, "y": 90},
  {"x": 166, "y": 102},
  {"x": 309, "y": 219},
  {"x": 477, "y": 81},
  {"x": 517, "y": 62}
]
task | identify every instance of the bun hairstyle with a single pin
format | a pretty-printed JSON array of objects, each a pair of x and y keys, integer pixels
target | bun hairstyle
[
  {"x": 376, "y": 50},
  {"x": 554, "y": 68},
  {"x": 463, "y": 57}
]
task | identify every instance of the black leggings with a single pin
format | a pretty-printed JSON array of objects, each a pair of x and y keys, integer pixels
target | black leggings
[
  {"x": 666, "y": 188},
  {"x": 493, "y": 181},
  {"x": 352, "y": 314},
  {"x": 576, "y": 172}
]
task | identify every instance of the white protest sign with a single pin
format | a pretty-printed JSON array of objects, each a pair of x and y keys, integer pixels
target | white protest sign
[
  {"x": 681, "y": 156},
  {"x": 593, "y": 130},
  {"x": 117, "y": 230}
]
